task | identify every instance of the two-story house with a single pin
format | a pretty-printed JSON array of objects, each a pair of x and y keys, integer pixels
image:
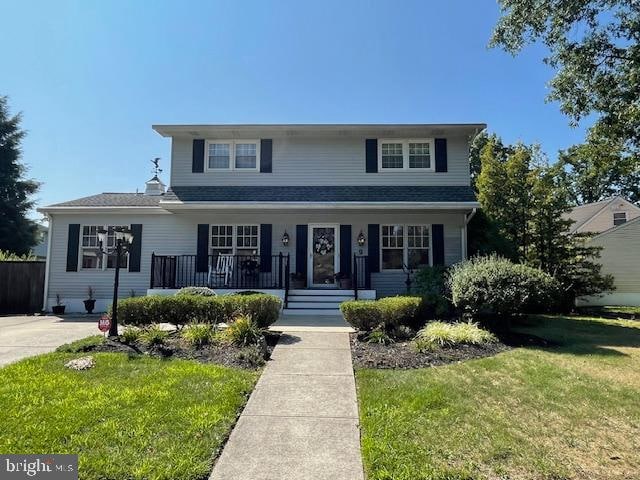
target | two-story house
[{"x": 313, "y": 213}]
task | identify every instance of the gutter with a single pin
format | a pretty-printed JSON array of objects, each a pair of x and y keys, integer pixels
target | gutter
[
  {"x": 47, "y": 265},
  {"x": 178, "y": 205}
]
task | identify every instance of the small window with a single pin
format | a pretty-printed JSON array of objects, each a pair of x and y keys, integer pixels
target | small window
[
  {"x": 420, "y": 155},
  {"x": 91, "y": 256},
  {"x": 219, "y": 156},
  {"x": 221, "y": 239},
  {"x": 619, "y": 218},
  {"x": 246, "y": 155},
  {"x": 246, "y": 239},
  {"x": 418, "y": 246},
  {"x": 392, "y": 247},
  {"x": 392, "y": 155}
]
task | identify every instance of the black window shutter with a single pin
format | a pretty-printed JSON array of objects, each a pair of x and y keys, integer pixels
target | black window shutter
[
  {"x": 265, "y": 247},
  {"x": 371, "y": 152},
  {"x": 197, "y": 158},
  {"x": 441, "y": 154},
  {"x": 266, "y": 155},
  {"x": 374, "y": 247},
  {"x": 202, "y": 254},
  {"x": 73, "y": 243},
  {"x": 301, "y": 249},
  {"x": 135, "y": 251},
  {"x": 437, "y": 241},
  {"x": 345, "y": 249}
]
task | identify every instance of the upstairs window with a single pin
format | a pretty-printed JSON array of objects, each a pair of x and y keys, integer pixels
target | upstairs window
[
  {"x": 395, "y": 155},
  {"x": 619, "y": 218},
  {"x": 233, "y": 155}
]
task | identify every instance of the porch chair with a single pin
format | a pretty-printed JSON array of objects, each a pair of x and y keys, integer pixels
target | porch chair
[{"x": 223, "y": 270}]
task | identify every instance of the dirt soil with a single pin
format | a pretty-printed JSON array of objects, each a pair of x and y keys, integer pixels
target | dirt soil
[{"x": 249, "y": 357}]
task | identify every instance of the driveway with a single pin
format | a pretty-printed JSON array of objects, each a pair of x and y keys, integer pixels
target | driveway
[{"x": 24, "y": 336}]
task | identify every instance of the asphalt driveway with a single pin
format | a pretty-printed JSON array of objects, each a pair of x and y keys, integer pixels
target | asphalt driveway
[{"x": 24, "y": 336}]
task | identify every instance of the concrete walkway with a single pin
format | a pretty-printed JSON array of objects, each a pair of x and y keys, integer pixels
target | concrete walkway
[
  {"x": 301, "y": 421},
  {"x": 23, "y": 336}
]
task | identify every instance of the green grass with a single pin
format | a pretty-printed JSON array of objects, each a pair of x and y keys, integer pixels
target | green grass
[
  {"x": 127, "y": 418},
  {"x": 568, "y": 412}
]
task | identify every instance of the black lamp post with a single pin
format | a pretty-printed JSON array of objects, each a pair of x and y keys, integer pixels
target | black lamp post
[{"x": 122, "y": 241}]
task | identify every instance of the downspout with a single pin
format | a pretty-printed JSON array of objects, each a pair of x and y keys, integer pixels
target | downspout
[
  {"x": 467, "y": 219},
  {"x": 45, "y": 300}
]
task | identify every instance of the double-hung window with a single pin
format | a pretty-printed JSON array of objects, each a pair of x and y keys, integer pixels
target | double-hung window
[
  {"x": 90, "y": 253},
  {"x": 235, "y": 239},
  {"x": 404, "y": 245},
  {"x": 395, "y": 155},
  {"x": 619, "y": 218},
  {"x": 233, "y": 155}
]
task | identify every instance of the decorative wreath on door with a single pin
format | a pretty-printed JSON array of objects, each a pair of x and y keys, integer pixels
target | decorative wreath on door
[{"x": 323, "y": 245}]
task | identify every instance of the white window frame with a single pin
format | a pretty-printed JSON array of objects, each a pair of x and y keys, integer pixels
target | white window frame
[
  {"x": 405, "y": 154},
  {"x": 614, "y": 218},
  {"x": 232, "y": 156},
  {"x": 405, "y": 244},
  {"x": 234, "y": 239},
  {"x": 104, "y": 256}
]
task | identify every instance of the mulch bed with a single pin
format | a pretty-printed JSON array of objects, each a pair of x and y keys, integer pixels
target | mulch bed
[
  {"x": 249, "y": 357},
  {"x": 403, "y": 355}
]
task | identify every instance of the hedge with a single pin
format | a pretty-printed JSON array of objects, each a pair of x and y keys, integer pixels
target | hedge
[
  {"x": 184, "y": 309},
  {"x": 386, "y": 313},
  {"x": 494, "y": 285}
]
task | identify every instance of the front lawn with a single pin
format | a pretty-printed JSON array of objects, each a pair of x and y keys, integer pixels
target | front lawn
[
  {"x": 131, "y": 417},
  {"x": 568, "y": 412}
]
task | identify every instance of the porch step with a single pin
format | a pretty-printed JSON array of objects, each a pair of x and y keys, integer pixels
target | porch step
[
  {"x": 320, "y": 291},
  {"x": 316, "y": 305},
  {"x": 316, "y": 301},
  {"x": 320, "y": 298},
  {"x": 311, "y": 311}
]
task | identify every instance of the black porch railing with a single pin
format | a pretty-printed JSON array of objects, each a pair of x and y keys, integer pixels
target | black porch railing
[
  {"x": 244, "y": 271},
  {"x": 361, "y": 274}
]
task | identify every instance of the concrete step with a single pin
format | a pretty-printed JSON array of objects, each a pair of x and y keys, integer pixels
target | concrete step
[
  {"x": 320, "y": 291},
  {"x": 320, "y": 298},
  {"x": 311, "y": 311},
  {"x": 314, "y": 305}
]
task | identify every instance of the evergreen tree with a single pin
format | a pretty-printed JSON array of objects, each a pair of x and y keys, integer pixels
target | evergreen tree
[{"x": 17, "y": 232}]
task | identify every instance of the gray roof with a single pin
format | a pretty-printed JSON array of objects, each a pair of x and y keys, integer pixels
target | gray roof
[
  {"x": 317, "y": 193},
  {"x": 113, "y": 200}
]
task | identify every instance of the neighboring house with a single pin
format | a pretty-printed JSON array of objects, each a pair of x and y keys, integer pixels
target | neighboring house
[
  {"x": 616, "y": 223},
  {"x": 278, "y": 208},
  {"x": 600, "y": 216},
  {"x": 620, "y": 258}
]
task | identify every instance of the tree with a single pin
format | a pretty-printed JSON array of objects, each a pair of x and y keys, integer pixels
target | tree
[
  {"x": 595, "y": 47},
  {"x": 17, "y": 233},
  {"x": 475, "y": 150},
  {"x": 598, "y": 169}
]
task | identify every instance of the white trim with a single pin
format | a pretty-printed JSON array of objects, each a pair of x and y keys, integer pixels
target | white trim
[
  {"x": 405, "y": 244},
  {"x": 405, "y": 154},
  {"x": 178, "y": 205},
  {"x": 47, "y": 266},
  {"x": 336, "y": 250},
  {"x": 232, "y": 155}
]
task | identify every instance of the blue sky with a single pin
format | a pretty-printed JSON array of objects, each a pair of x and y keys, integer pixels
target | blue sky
[{"x": 91, "y": 77}]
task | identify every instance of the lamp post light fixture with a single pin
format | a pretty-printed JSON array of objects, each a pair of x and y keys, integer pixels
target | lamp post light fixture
[
  {"x": 123, "y": 238},
  {"x": 285, "y": 239}
]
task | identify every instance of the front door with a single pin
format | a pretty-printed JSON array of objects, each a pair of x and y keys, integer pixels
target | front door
[{"x": 323, "y": 255}]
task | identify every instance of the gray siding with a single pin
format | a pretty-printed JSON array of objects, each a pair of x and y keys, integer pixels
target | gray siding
[
  {"x": 320, "y": 161},
  {"x": 175, "y": 234}
]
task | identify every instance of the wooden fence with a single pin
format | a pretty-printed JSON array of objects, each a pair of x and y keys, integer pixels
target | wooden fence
[{"x": 21, "y": 287}]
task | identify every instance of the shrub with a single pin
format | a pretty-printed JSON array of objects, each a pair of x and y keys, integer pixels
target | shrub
[
  {"x": 494, "y": 285},
  {"x": 130, "y": 334},
  {"x": 439, "y": 334},
  {"x": 431, "y": 285},
  {"x": 153, "y": 335},
  {"x": 386, "y": 313},
  {"x": 198, "y": 334},
  {"x": 202, "y": 291},
  {"x": 243, "y": 331},
  {"x": 379, "y": 336},
  {"x": 185, "y": 308}
]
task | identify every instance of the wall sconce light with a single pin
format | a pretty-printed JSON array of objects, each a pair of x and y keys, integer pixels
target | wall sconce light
[
  {"x": 361, "y": 239},
  {"x": 285, "y": 239}
]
